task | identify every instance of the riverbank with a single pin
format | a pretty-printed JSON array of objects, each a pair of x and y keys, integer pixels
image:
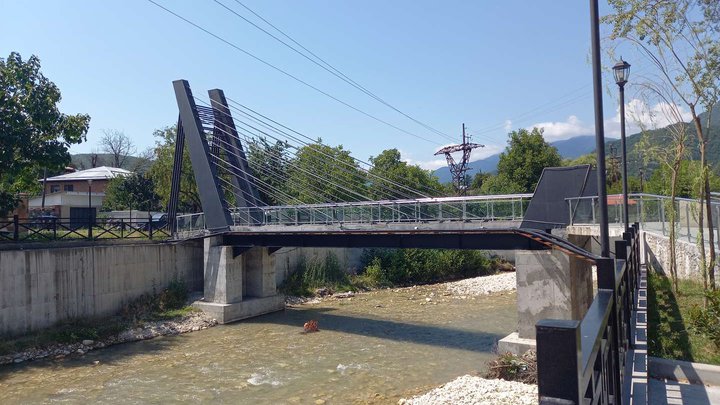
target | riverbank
[
  {"x": 190, "y": 322},
  {"x": 471, "y": 390}
]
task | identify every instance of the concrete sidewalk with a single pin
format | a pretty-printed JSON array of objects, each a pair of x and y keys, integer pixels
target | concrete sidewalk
[{"x": 663, "y": 392}]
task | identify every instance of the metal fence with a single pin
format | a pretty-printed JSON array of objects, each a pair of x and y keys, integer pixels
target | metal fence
[
  {"x": 49, "y": 229},
  {"x": 653, "y": 212},
  {"x": 509, "y": 207},
  {"x": 583, "y": 362}
]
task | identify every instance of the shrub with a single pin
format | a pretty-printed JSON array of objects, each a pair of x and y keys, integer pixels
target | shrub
[
  {"x": 174, "y": 296},
  {"x": 706, "y": 321},
  {"x": 410, "y": 266},
  {"x": 511, "y": 367}
]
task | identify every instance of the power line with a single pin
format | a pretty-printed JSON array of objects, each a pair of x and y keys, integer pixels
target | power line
[
  {"x": 290, "y": 75},
  {"x": 324, "y": 65}
]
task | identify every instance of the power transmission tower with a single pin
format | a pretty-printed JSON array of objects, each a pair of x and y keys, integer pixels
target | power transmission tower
[{"x": 459, "y": 169}]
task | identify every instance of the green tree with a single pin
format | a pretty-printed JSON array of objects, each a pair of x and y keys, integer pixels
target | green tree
[
  {"x": 391, "y": 178},
  {"x": 34, "y": 134},
  {"x": 321, "y": 173},
  {"x": 134, "y": 192},
  {"x": 500, "y": 184},
  {"x": 269, "y": 164},
  {"x": 680, "y": 43},
  {"x": 161, "y": 172},
  {"x": 525, "y": 157}
]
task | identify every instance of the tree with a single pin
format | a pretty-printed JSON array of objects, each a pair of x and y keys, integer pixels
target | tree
[
  {"x": 500, "y": 184},
  {"x": 161, "y": 172},
  {"x": 525, "y": 157},
  {"x": 321, "y": 173},
  {"x": 391, "y": 178},
  {"x": 34, "y": 134},
  {"x": 118, "y": 145},
  {"x": 269, "y": 165},
  {"x": 680, "y": 40},
  {"x": 134, "y": 192}
]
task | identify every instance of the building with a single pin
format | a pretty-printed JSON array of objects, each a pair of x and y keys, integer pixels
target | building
[{"x": 76, "y": 196}]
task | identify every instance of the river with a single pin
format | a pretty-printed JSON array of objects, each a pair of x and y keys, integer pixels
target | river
[{"x": 376, "y": 347}]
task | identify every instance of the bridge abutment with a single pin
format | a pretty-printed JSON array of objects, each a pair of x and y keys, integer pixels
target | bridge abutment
[
  {"x": 550, "y": 285},
  {"x": 238, "y": 286}
]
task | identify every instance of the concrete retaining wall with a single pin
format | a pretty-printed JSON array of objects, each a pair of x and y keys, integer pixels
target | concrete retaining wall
[
  {"x": 40, "y": 287},
  {"x": 657, "y": 254}
]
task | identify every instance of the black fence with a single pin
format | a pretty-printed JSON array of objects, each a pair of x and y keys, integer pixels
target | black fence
[
  {"x": 50, "y": 229},
  {"x": 583, "y": 362}
]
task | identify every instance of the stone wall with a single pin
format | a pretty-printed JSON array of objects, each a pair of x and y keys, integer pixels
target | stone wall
[
  {"x": 656, "y": 253},
  {"x": 42, "y": 286}
]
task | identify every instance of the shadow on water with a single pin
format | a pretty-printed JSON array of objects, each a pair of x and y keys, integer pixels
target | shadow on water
[
  {"x": 111, "y": 355},
  {"x": 477, "y": 341}
]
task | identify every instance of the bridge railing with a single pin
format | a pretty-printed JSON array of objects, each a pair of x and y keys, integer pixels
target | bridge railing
[
  {"x": 653, "y": 212},
  {"x": 509, "y": 207},
  {"x": 584, "y": 361}
]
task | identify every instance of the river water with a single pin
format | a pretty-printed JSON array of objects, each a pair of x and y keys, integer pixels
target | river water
[{"x": 376, "y": 347}]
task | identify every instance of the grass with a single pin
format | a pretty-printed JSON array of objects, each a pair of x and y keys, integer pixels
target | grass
[
  {"x": 169, "y": 304},
  {"x": 670, "y": 334}
]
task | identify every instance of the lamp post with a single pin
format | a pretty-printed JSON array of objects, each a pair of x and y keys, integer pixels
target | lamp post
[
  {"x": 622, "y": 73},
  {"x": 599, "y": 129}
]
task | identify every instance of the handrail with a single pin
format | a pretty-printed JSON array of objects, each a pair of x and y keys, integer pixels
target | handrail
[
  {"x": 52, "y": 228},
  {"x": 584, "y": 361}
]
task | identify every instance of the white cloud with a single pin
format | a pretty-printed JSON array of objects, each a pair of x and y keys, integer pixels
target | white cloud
[
  {"x": 638, "y": 115},
  {"x": 555, "y": 131},
  {"x": 508, "y": 126}
]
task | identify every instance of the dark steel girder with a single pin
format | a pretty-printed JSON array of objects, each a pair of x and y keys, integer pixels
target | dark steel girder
[{"x": 484, "y": 239}]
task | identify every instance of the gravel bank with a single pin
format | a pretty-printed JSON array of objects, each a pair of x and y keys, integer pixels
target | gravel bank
[
  {"x": 190, "y": 323},
  {"x": 475, "y": 390},
  {"x": 483, "y": 285}
]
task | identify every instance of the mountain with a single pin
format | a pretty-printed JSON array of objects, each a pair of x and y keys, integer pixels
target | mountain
[
  {"x": 662, "y": 136},
  {"x": 568, "y": 149}
]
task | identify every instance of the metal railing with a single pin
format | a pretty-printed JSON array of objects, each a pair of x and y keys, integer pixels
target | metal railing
[
  {"x": 651, "y": 211},
  {"x": 50, "y": 229},
  {"x": 583, "y": 362},
  {"x": 510, "y": 207}
]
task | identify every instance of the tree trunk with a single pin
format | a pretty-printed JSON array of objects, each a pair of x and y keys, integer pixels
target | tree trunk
[
  {"x": 705, "y": 194},
  {"x": 673, "y": 191}
]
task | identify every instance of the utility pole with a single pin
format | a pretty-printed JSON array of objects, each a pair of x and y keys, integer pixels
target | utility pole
[{"x": 459, "y": 169}]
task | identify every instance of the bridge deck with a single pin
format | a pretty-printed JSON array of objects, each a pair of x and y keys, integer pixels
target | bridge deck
[{"x": 480, "y": 239}]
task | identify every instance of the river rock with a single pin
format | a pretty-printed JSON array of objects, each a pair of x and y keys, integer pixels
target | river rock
[
  {"x": 88, "y": 342},
  {"x": 348, "y": 294}
]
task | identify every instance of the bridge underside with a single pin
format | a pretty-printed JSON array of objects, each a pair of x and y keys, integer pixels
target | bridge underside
[{"x": 480, "y": 239}]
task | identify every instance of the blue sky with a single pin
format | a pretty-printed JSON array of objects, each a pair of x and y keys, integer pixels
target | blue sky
[{"x": 493, "y": 65}]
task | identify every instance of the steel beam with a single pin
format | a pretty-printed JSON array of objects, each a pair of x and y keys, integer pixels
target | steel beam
[{"x": 217, "y": 215}]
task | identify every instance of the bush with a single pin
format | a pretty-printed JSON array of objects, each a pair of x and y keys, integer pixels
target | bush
[
  {"x": 514, "y": 368},
  {"x": 706, "y": 321},
  {"x": 174, "y": 296},
  {"x": 413, "y": 266},
  {"x": 314, "y": 274}
]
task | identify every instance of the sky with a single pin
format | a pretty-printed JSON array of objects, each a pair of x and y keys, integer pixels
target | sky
[{"x": 495, "y": 66}]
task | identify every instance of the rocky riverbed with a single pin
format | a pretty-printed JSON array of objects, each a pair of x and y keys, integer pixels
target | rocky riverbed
[
  {"x": 193, "y": 322},
  {"x": 467, "y": 390}
]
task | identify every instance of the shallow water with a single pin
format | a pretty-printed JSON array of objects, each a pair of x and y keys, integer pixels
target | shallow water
[{"x": 373, "y": 348}]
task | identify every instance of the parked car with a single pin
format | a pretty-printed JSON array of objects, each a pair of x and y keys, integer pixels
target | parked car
[
  {"x": 43, "y": 221},
  {"x": 157, "y": 221}
]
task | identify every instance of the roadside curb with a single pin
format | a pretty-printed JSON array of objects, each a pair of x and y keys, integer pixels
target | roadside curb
[{"x": 695, "y": 373}]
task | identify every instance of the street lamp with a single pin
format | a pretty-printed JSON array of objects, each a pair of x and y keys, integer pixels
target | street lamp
[{"x": 622, "y": 73}]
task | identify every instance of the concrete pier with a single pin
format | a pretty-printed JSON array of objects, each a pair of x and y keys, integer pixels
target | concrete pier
[
  {"x": 550, "y": 285},
  {"x": 238, "y": 286}
]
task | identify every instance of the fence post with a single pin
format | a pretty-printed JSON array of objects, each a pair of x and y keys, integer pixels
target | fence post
[
  {"x": 16, "y": 228},
  {"x": 628, "y": 297},
  {"x": 54, "y": 224},
  {"x": 687, "y": 220},
  {"x": 90, "y": 225},
  {"x": 558, "y": 361},
  {"x": 606, "y": 280},
  {"x": 150, "y": 226},
  {"x": 662, "y": 214}
]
